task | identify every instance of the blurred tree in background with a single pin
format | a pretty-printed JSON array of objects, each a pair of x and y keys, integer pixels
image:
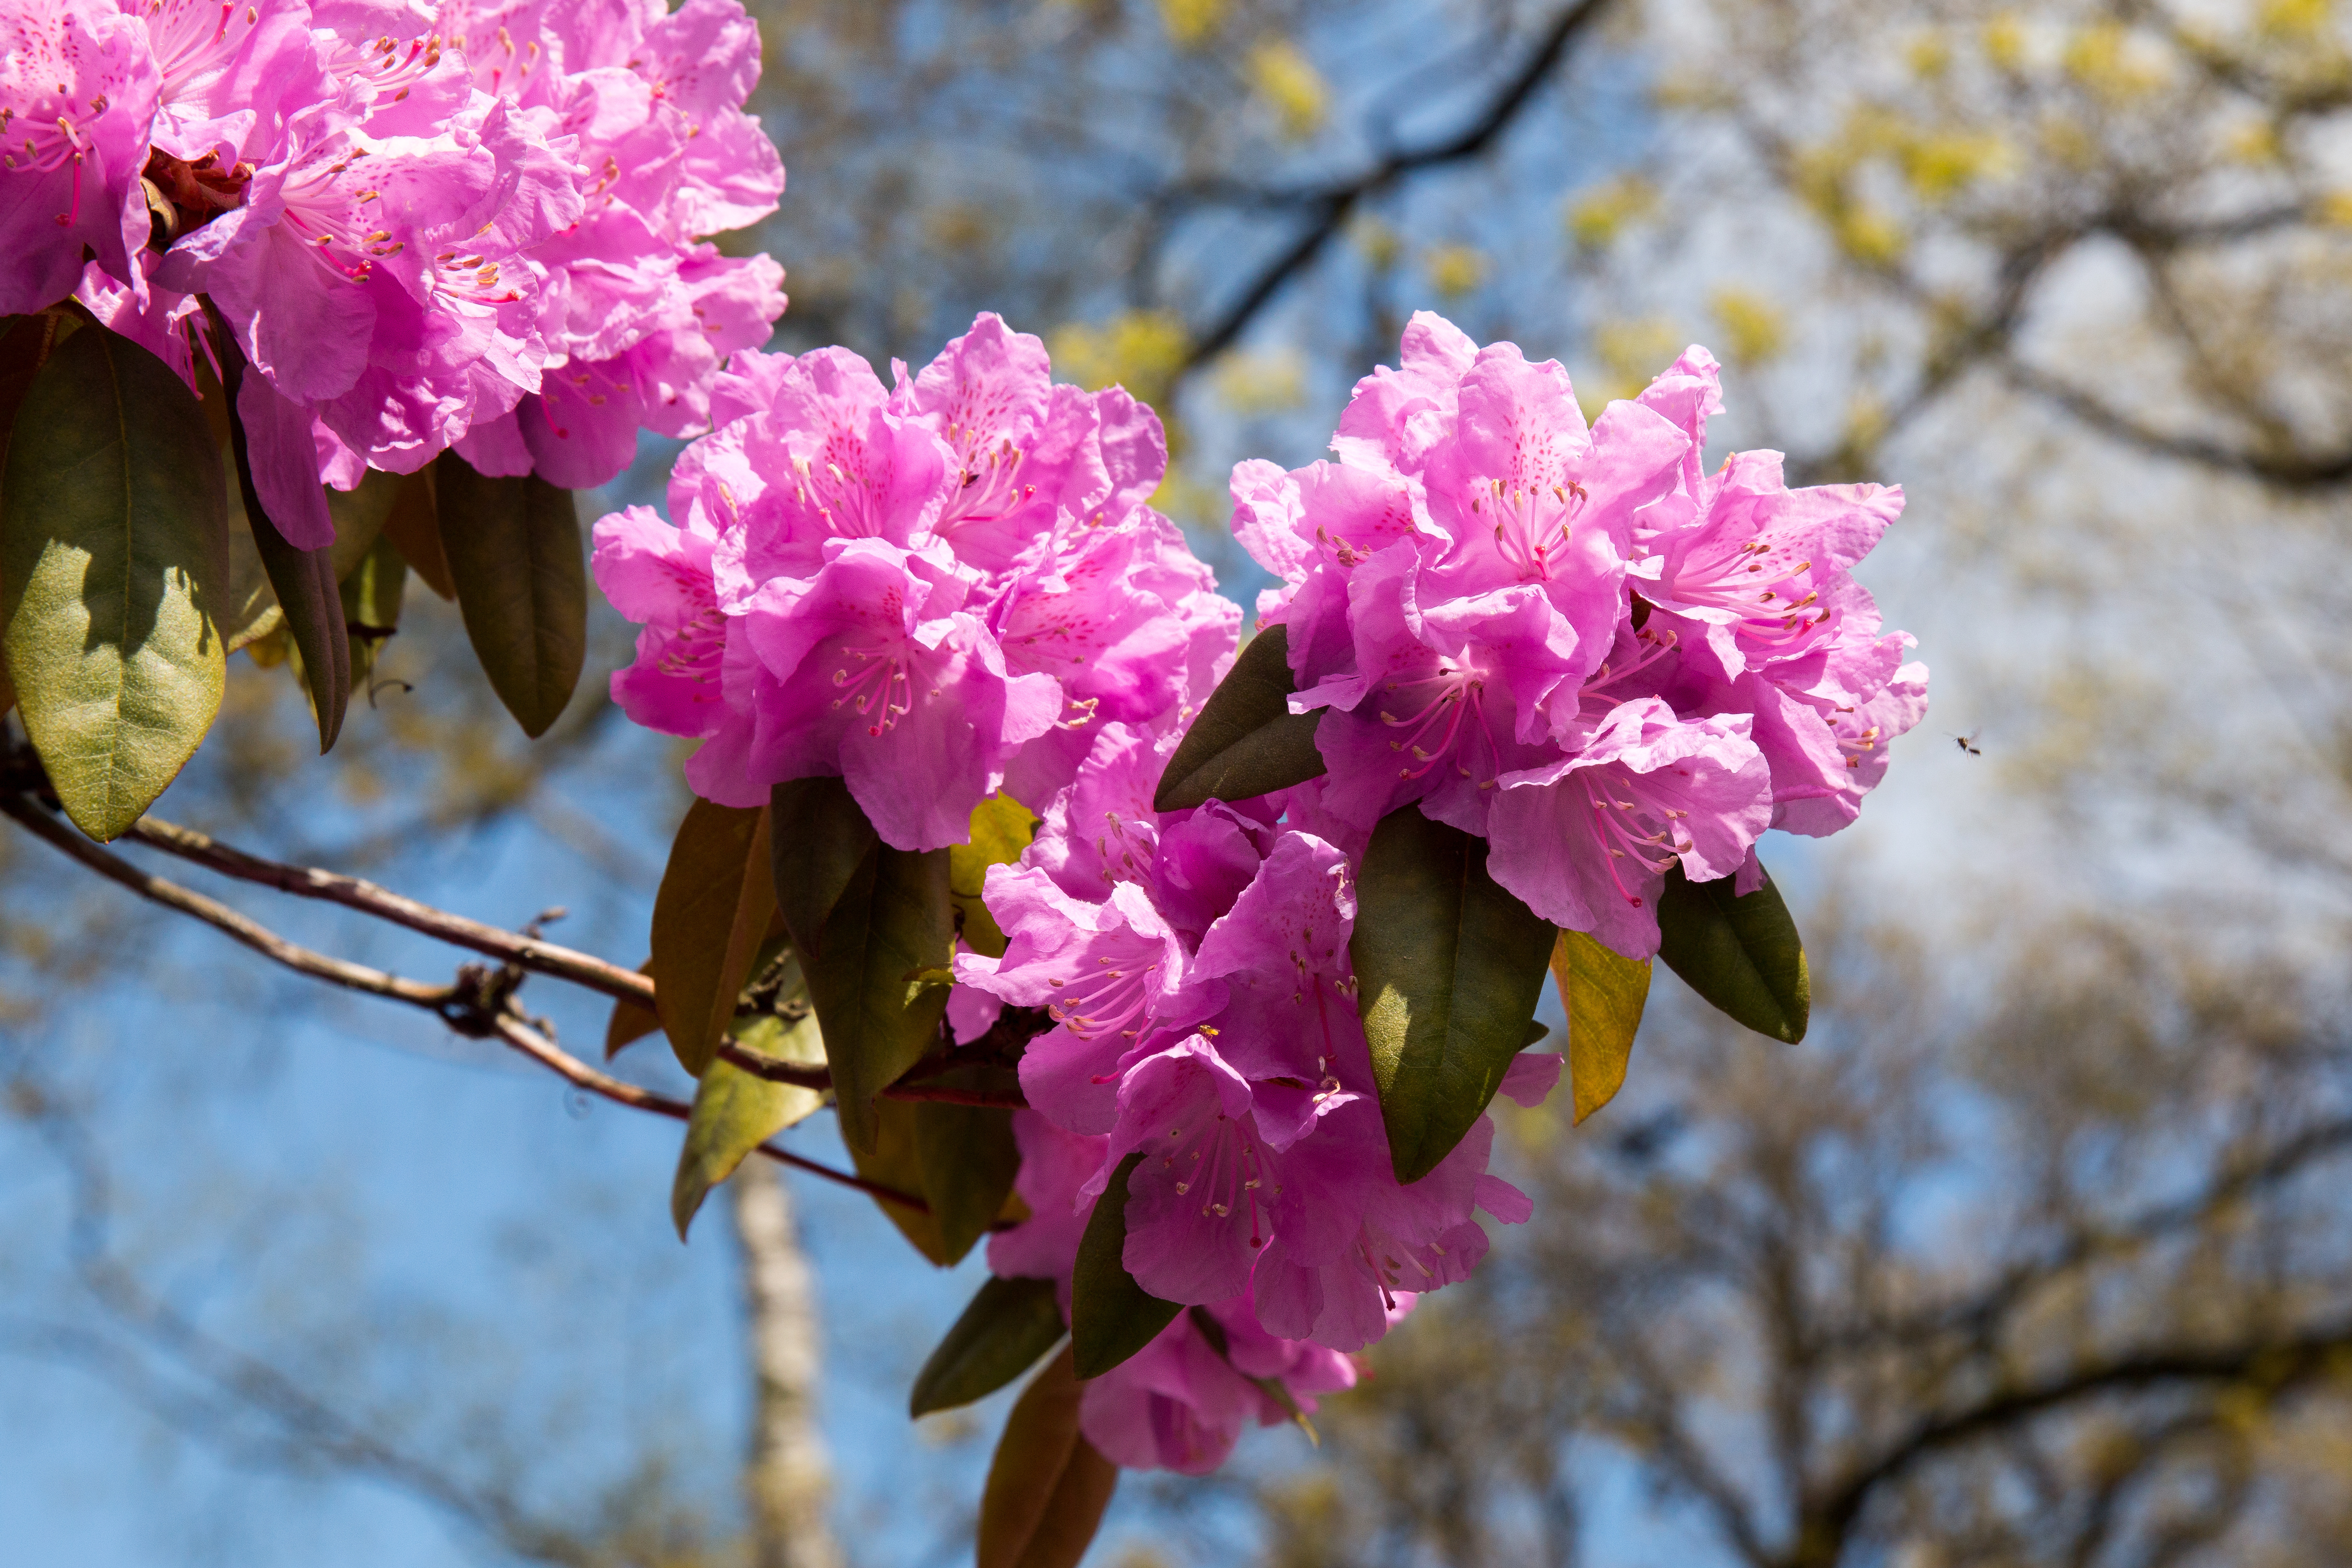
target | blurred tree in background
[{"x": 2034, "y": 1256}]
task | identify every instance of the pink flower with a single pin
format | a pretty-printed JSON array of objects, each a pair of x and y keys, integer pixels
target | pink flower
[
  {"x": 920, "y": 617},
  {"x": 1107, "y": 973},
  {"x": 78, "y": 90},
  {"x": 1585, "y": 839},
  {"x": 872, "y": 669},
  {"x": 1182, "y": 1401}
]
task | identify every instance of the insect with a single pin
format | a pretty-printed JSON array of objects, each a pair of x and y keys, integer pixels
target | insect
[{"x": 1968, "y": 743}]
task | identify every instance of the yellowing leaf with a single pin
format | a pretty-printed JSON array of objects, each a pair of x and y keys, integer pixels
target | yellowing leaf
[
  {"x": 735, "y": 1110},
  {"x": 1603, "y": 993},
  {"x": 1000, "y": 829}
]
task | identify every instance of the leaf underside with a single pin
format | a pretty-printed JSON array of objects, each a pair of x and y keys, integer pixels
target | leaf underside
[
  {"x": 1603, "y": 993},
  {"x": 113, "y": 569}
]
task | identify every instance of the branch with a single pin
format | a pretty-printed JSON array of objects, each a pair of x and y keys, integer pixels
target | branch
[
  {"x": 1328, "y": 205},
  {"x": 480, "y": 1006},
  {"x": 308, "y": 882},
  {"x": 2268, "y": 1364},
  {"x": 2288, "y": 471}
]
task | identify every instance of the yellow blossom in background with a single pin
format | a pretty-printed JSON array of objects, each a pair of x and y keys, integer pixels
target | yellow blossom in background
[
  {"x": 1596, "y": 217},
  {"x": 1141, "y": 350},
  {"x": 2294, "y": 18},
  {"x": 1752, "y": 328},
  {"x": 1942, "y": 166},
  {"x": 1191, "y": 23},
  {"x": 1930, "y": 56},
  {"x": 2004, "y": 40},
  {"x": 2335, "y": 208},
  {"x": 2254, "y": 142},
  {"x": 1631, "y": 353},
  {"x": 1871, "y": 236},
  {"x": 1380, "y": 243},
  {"x": 1456, "y": 270},
  {"x": 1287, "y": 80},
  {"x": 1265, "y": 380},
  {"x": 2111, "y": 60}
]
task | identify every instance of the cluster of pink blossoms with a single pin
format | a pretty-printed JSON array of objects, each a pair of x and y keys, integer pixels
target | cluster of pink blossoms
[
  {"x": 1578, "y": 644},
  {"x": 477, "y": 226},
  {"x": 932, "y": 591}
]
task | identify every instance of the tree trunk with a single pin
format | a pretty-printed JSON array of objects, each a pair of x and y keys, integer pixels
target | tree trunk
[{"x": 787, "y": 1481}]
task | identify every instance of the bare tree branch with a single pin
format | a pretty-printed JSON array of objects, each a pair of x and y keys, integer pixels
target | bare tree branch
[
  {"x": 308, "y": 882},
  {"x": 479, "y": 1006},
  {"x": 1327, "y": 207},
  {"x": 2287, "y": 470}
]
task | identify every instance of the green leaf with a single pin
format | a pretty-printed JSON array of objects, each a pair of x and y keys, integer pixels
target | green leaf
[
  {"x": 1111, "y": 1316},
  {"x": 1246, "y": 741},
  {"x": 707, "y": 895},
  {"x": 303, "y": 581},
  {"x": 1449, "y": 968},
  {"x": 969, "y": 1162},
  {"x": 1743, "y": 955},
  {"x": 513, "y": 547},
  {"x": 820, "y": 836},
  {"x": 632, "y": 1021},
  {"x": 1000, "y": 829},
  {"x": 1047, "y": 1487},
  {"x": 372, "y": 595},
  {"x": 413, "y": 525},
  {"x": 1604, "y": 992},
  {"x": 896, "y": 1160},
  {"x": 113, "y": 561},
  {"x": 360, "y": 515},
  {"x": 735, "y": 1112},
  {"x": 879, "y": 1012},
  {"x": 1007, "y": 1327}
]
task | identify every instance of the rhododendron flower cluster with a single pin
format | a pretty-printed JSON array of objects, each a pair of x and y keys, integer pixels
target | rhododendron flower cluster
[
  {"x": 1576, "y": 642},
  {"x": 478, "y": 226},
  {"x": 932, "y": 591}
]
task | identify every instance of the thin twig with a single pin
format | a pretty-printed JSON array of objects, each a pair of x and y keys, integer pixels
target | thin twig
[
  {"x": 479, "y": 1006},
  {"x": 268, "y": 943},
  {"x": 308, "y": 882},
  {"x": 1328, "y": 206}
]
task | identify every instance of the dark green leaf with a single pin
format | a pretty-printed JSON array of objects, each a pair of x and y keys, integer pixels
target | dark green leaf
[
  {"x": 1742, "y": 955},
  {"x": 880, "y": 1011},
  {"x": 896, "y": 1160},
  {"x": 372, "y": 595},
  {"x": 1000, "y": 829},
  {"x": 113, "y": 563},
  {"x": 968, "y": 1162},
  {"x": 736, "y": 1111},
  {"x": 513, "y": 547},
  {"x": 820, "y": 836},
  {"x": 1047, "y": 1487},
  {"x": 360, "y": 515},
  {"x": 1449, "y": 968},
  {"x": 704, "y": 892},
  {"x": 1604, "y": 992},
  {"x": 302, "y": 580},
  {"x": 1002, "y": 1333},
  {"x": 1246, "y": 741},
  {"x": 1111, "y": 1316},
  {"x": 412, "y": 524}
]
